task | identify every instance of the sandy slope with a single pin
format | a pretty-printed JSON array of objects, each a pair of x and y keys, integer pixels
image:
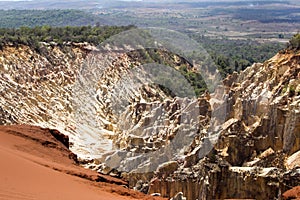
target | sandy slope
[
  {"x": 34, "y": 165},
  {"x": 293, "y": 193}
]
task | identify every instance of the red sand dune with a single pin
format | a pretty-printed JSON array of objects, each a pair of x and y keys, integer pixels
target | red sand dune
[{"x": 35, "y": 165}]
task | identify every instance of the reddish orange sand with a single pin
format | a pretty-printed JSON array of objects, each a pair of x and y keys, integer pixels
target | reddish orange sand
[
  {"x": 34, "y": 165},
  {"x": 293, "y": 193}
]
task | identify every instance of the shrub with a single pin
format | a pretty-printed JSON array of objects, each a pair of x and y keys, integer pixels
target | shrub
[{"x": 294, "y": 42}]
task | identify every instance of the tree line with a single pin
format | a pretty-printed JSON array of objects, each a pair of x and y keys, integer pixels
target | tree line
[
  {"x": 236, "y": 55},
  {"x": 33, "y": 36},
  {"x": 32, "y": 18}
]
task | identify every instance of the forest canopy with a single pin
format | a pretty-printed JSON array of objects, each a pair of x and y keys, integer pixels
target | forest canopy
[
  {"x": 32, "y": 18},
  {"x": 33, "y": 36}
]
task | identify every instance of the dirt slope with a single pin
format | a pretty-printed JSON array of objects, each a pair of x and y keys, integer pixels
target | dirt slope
[{"x": 35, "y": 165}]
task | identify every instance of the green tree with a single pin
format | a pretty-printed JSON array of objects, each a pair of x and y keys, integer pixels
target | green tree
[{"x": 294, "y": 42}]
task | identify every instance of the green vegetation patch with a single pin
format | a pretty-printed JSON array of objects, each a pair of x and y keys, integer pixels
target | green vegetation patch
[
  {"x": 180, "y": 64},
  {"x": 236, "y": 55},
  {"x": 32, "y": 18},
  {"x": 294, "y": 42},
  {"x": 33, "y": 36}
]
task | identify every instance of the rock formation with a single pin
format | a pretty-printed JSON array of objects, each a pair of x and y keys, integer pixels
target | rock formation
[
  {"x": 242, "y": 141},
  {"x": 257, "y": 154}
]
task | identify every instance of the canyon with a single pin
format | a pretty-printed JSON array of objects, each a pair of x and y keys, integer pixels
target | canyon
[{"x": 241, "y": 141}]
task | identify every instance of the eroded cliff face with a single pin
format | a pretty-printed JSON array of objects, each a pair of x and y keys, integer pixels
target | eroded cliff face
[
  {"x": 103, "y": 104},
  {"x": 240, "y": 142},
  {"x": 36, "y": 85},
  {"x": 257, "y": 154}
]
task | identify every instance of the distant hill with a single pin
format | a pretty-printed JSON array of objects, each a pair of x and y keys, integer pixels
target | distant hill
[
  {"x": 32, "y": 18},
  {"x": 52, "y": 4}
]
